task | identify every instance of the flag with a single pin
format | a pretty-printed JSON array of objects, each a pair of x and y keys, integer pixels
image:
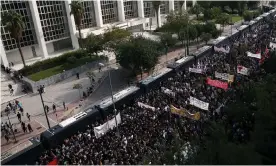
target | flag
[
  {"x": 185, "y": 113},
  {"x": 217, "y": 83}
]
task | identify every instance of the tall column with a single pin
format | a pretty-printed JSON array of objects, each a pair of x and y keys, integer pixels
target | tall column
[
  {"x": 38, "y": 29},
  {"x": 4, "y": 60},
  {"x": 159, "y": 17},
  {"x": 194, "y": 2},
  {"x": 184, "y": 7},
  {"x": 98, "y": 13},
  {"x": 121, "y": 10},
  {"x": 140, "y": 5},
  {"x": 72, "y": 25},
  {"x": 171, "y": 5}
]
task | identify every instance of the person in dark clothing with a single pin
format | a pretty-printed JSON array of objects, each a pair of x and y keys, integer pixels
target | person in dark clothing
[
  {"x": 10, "y": 86},
  {"x": 7, "y": 138},
  {"x": 78, "y": 76},
  {"x": 63, "y": 105},
  {"x": 23, "y": 127},
  {"x": 47, "y": 108},
  {"x": 19, "y": 116},
  {"x": 54, "y": 107},
  {"x": 30, "y": 127},
  {"x": 28, "y": 116}
]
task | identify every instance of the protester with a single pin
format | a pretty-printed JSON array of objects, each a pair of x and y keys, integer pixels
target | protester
[{"x": 148, "y": 125}]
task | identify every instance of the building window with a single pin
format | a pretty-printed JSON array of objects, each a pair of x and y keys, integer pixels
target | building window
[
  {"x": 53, "y": 19},
  {"x": 148, "y": 9},
  {"x": 28, "y": 34},
  {"x": 176, "y": 5},
  {"x": 131, "y": 9},
  {"x": 164, "y": 7},
  {"x": 109, "y": 11},
  {"x": 88, "y": 19}
]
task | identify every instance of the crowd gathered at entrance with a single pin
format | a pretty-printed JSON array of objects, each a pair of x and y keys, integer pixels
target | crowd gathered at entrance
[{"x": 149, "y": 124}]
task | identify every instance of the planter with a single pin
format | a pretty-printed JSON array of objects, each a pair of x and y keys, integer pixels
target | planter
[{"x": 61, "y": 76}]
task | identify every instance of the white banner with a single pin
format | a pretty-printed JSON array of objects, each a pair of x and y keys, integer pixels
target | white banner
[
  {"x": 195, "y": 70},
  {"x": 253, "y": 55},
  {"x": 272, "y": 45},
  {"x": 223, "y": 76},
  {"x": 198, "y": 103},
  {"x": 142, "y": 105},
  {"x": 109, "y": 125},
  {"x": 221, "y": 49},
  {"x": 168, "y": 91},
  {"x": 242, "y": 70}
]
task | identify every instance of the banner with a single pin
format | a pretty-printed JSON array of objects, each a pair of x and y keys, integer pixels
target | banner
[
  {"x": 221, "y": 49},
  {"x": 242, "y": 70},
  {"x": 264, "y": 56},
  {"x": 185, "y": 113},
  {"x": 109, "y": 125},
  {"x": 272, "y": 45},
  {"x": 195, "y": 70},
  {"x": 217, "y": 83},
  {"x": 142, "y": 105},
  {"x": 223, "y": 76},
  {"x": 258, "y": 55},
  {"x": 168, "y": 91},
  {"x": 198, "y": 103}
]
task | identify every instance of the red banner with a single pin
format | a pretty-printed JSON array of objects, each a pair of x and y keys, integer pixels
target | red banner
[
  {"x": 53, "y": 162},
  {"x": 264, "y": 56},
  {"x": 217, "y": 83}
]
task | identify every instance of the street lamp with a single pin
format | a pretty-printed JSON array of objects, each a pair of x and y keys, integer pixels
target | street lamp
[
  {"x": 40, "y": 91},
  {"x": 111, "y": 91},
  {"x": 8, "y": 113}
]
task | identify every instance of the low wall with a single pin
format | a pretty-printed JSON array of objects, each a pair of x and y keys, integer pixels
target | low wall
[{"x": 61, "y": 76}]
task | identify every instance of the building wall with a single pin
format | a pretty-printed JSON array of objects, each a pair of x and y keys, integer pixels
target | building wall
[
  {"x": 14, "y": 56},
  {"x": 56, "y": 22}
]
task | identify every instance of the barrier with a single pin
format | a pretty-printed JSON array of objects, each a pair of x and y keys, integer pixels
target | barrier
[{"x": 58, "y": 133}]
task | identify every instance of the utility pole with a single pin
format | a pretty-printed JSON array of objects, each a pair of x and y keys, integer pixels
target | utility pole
[
  {"x": 111, "y": 91},
  {"x": 40, "y": 91}
]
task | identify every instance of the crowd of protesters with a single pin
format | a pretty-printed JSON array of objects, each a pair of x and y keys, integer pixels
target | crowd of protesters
[{"x": 146, "y": 132}]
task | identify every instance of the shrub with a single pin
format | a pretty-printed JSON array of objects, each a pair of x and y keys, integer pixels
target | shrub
[
  {"x": 71, "y": 59},
  {"x": 235, "y": 11},
  {"x": 247, "y": 15},
  {"x": 227, "y": 9},
  {"x": 52, "y": 62}
]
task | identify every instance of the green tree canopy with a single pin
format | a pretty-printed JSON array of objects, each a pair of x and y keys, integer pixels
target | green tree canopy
[
  {"x": 77, "y": 11},
  {"x": 206, "y": 37},
  {"x": 13, "y": 22},
  {"x": 196, "y": 9},
  {"x": 138, "y": 54},
  {"x": 113, "y": 36},
  {"x": 94, "y": 44},
  {"x": 223, "y": 19}
]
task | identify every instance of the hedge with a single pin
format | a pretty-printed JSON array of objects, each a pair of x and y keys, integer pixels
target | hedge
[{"x": 53, "y": 62}]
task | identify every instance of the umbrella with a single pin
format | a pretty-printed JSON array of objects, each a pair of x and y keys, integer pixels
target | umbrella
[{"x": 101, "y": 64}]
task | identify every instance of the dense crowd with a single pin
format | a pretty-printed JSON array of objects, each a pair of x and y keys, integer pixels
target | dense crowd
[{"x": 146, "y": 132}]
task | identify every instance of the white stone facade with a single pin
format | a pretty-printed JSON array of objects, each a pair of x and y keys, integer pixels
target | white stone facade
[{"x": 47, "y": 36}]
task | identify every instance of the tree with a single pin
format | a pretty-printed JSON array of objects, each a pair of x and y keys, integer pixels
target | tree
[
  {"x": 13, "y": 22},
  {"x": 196, "y": 9},
  {"x": 215, "y": 12},
  {"x": 77, "y": 11},
  {"x": 199, "y": 29},
  {"x": 91, "y": 75},
  {"x": 247, "y": 15},
  {"x": 272, "y": 3},
  {"x": 114, "y": 36},
  {"x": 223, "y": 19},
  {"x": 206, "y": 37},
  {"x": 94, "y": 44},
  {"x": 167, "y": 40},
  {"x": 138, "y": 54},
  {"x": 253, "y": 4},
  {"x": 207, "y": 14},
  {"x": 175, "y": 22},
  {"x": 78, "y": 87},
  {"x": 156, "y": 6}
]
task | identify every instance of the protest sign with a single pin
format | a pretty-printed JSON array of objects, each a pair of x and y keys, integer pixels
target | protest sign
[
  {"x": 242, "y": 70},
  {"x": 217, "y": 83},
  {"x": 198, "y": 103},
  {"x": 142, "y": 105},
  {"x": 195, "y": 70}
]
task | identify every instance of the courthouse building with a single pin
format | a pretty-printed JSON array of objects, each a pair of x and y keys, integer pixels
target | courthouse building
[{"x": 50, "y": 29}]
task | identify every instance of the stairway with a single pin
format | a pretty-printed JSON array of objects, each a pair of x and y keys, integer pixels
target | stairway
[{"x": 5, "y": 92}]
